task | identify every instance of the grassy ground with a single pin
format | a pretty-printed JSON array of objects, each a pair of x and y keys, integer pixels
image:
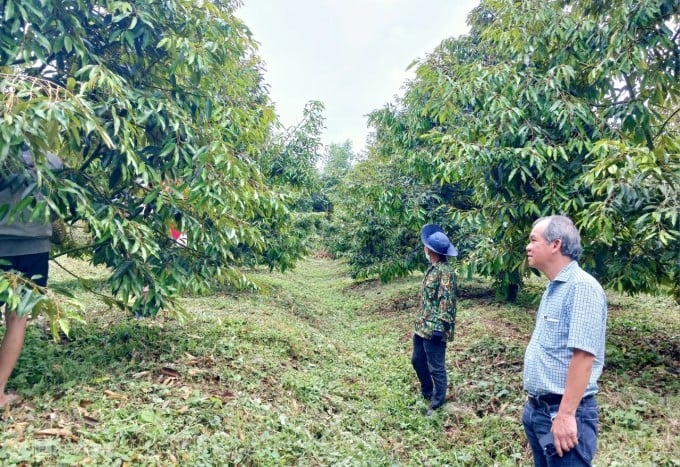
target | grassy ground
[{"x": 316, "y": 371}]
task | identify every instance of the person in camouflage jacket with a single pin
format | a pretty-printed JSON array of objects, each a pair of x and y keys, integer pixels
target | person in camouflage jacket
[{"x": 436, "y": 320}]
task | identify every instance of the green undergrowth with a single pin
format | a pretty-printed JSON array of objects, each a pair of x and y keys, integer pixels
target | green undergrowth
[{"x": 315, "y": 370}]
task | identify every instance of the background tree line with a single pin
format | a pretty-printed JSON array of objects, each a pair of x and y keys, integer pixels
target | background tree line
[
  {"x": 544, "y": 107},
  {"x": 162, "y": 116}
]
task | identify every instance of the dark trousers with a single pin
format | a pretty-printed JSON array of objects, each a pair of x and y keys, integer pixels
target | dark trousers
[
  {"x": 429, "y": 361},
  {"x": 537, "y": 421},
  {"x": 36, "y": 264}
]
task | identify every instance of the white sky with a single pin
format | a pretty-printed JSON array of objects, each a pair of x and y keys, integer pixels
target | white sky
[{"x": 351, "y": 55}]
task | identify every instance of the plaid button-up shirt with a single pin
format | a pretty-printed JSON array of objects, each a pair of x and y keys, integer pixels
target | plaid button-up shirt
[{"x": 572, "y": 315}]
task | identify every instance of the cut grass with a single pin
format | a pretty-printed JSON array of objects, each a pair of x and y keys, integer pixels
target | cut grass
[{"x": 315, "y": 370}]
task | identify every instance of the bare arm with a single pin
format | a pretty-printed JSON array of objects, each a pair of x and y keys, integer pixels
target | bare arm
[{"x": 564, "y": 424}]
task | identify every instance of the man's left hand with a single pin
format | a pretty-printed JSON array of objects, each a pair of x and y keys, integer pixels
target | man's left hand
[{"x": 565, "y": 433}]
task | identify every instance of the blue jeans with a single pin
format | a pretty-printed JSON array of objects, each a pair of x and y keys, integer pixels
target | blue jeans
[
  {"x": 538, "y": 421},
  {"x": 429, "y": 361}
]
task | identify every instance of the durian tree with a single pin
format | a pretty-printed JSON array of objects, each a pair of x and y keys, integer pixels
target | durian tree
[{"x": 159, "y": 112}]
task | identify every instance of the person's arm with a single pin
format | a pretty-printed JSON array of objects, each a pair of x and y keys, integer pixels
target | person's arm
[
  {"x": 564, "y": 425},
  {"x": 447, "y": 303},
  {"x": 432, "y": 303}
]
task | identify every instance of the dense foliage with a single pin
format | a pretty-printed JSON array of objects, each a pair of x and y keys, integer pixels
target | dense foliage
[
  {"x": 159, "y": 111},
  {"x": 545, "y": 107},
  {"x": 383, "y": 204},
  {"x": 289, "y": 160}
]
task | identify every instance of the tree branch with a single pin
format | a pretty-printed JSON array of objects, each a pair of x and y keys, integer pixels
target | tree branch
[
  {"x": 663, "y": 126},
  {"x": 631, "y": 92}
]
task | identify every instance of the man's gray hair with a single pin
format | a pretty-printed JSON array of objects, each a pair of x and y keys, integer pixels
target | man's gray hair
[{"x": 562, "y": 228}]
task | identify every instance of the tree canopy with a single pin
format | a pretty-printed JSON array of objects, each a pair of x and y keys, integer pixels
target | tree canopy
[
  {"x": 161, "y": 115},
  {"x": 159, "y": 111},
  {"x": 544, "y": 107}
]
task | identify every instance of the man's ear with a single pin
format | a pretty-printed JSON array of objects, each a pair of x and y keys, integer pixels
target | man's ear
[{"x": 557, "y": 245}]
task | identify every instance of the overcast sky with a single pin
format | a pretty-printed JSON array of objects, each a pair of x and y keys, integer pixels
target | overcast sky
[{"x": 351, "y": 55}]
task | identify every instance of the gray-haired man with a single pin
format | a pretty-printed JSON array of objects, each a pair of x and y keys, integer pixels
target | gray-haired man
[{"x": 565, "y": 356}]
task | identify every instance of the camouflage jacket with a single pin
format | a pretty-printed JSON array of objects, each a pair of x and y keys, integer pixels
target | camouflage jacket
[{"x": 438, "y": 309}]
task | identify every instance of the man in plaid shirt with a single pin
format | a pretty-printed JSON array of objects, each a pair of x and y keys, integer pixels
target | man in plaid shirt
[{"x": 565, "y": 356}]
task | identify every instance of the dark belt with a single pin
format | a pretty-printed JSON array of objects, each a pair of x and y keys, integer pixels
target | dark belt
[{"x": 546, "y": 400}]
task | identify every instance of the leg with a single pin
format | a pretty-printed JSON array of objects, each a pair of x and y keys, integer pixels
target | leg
[
  {"x": 586, "y": 424},
  {"x": 10, "y": 349},
  {"x": 535, "y": 426},
  {"x": 436, "y": 362},
  {"x": 419, "y": 362},
  {"x": 587, "y": 418},
  {"x": 537, "y": 422},
  {"x": 15, "y": 332}
]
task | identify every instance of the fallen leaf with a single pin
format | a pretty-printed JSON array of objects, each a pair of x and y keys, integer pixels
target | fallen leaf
[
  {"x": 10, "y": 444},
  {"x": 186, "y": 391},
  {"x": 113, "y": 395},
  {"x": 91, "y": 421},
  {"x": 168, "y": 381},
  {"x": 503, "y": 407},
  {"x": 170, "y": 372},
  {"x": 61, "y": 432},
  {"x": 20, "y": 428},
  {"x": 140, "y": 374},
  {"x": 227, "y": 395}
]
